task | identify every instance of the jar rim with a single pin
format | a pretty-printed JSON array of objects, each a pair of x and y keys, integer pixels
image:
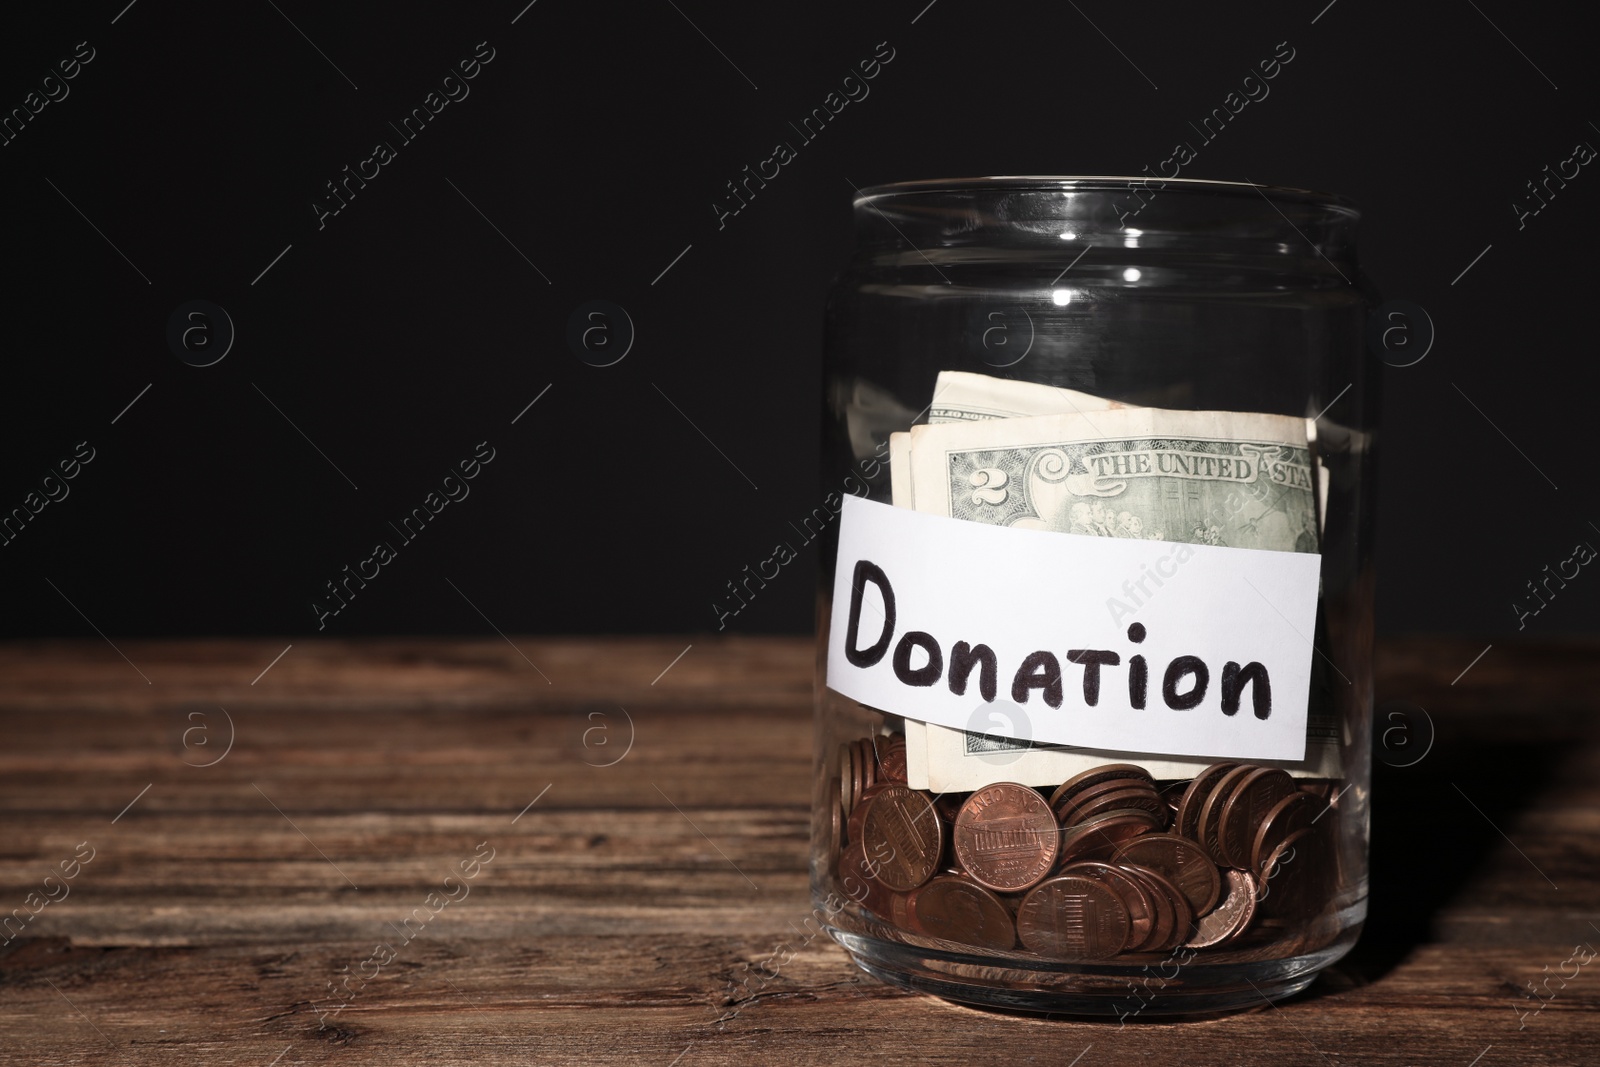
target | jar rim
[{"x": 1333, "y": 202}]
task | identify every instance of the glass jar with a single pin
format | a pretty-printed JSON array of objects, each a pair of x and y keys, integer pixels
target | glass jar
[{"x": 1119, "y": 384}]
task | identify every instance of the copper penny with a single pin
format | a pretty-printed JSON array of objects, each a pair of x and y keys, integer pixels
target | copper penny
[
  {"x": 836, "y": 827},
  {"x": 1297, "y": 879},
  {"x": 1100, "y": 837},
  {"x": 857, "y": 778},
  {"x": 1006, "y": 838},
  {"x": 957, "y": 909},
  {"x": 1143, "y": 799},
  {"x": 1246, "y": 806},
  {"x": 1186, "y": 822},
  {"x": 1181, "y": 861},
  {"x": 844, "y": 778},
  {"x": 1283, "y": 855},
  {"x": 1230, "y": 918},
  {"x": 1068, "y": 808},
  {"x": 857, "y": 816},
  {"x": 1174, "y": 918},
  {"x": 1094, "y": 776},
  {"x": 1134, "y": 894},
  {"x": 1294, "y": 812},
  {"x": 900, "y": 911},
  {"x": 869, "y": 761},
  {"x": 1172, "y": 794},
  {"x": 857, "y": 881},
  {"x": 892, "y": 761},
  {"x": 855, "y": 774},
  {"x": 903, "y": 836},
  {"x": 1209, "y": 826},
  {"x": 1085, "y": 791},
  {"x": 1071, "y": 917}
]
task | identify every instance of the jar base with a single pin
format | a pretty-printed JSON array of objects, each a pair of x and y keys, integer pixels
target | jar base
[{"x": 1099, "y": 990}]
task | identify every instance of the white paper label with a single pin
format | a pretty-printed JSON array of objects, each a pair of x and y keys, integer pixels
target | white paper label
[{"x": 1111, "y": 643}]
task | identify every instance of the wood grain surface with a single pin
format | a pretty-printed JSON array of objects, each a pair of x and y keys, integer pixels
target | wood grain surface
[{"x": 256, "y": 836}]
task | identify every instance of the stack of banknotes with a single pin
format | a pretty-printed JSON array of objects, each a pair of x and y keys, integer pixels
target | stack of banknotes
[{"x": 1046, "y": 458}]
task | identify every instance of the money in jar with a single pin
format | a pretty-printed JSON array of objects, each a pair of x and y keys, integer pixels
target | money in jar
[{"x": 1096, "y": 596}]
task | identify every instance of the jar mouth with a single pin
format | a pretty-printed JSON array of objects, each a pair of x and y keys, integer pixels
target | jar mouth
[
  {"x": 1256, "y": 227},
  {"x": 1000, "y": 184}
]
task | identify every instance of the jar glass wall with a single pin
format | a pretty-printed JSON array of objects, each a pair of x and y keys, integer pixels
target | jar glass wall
[{"x": 1178, "y": 364}]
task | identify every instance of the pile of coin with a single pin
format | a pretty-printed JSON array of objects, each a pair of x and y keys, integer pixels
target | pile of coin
[
  {"x": 1112, "y": 862},
  {"x": 864, "y": 763}
]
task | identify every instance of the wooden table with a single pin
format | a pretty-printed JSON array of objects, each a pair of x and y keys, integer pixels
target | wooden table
[{"x": 231, "y": 911}]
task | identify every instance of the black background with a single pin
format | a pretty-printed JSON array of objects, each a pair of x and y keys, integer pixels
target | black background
[{"x": 407, "y": 329}]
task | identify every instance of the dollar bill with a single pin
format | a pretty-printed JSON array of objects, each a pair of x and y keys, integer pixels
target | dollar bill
[
  {"x": 1104, "y": 469},
  {"x": 961, "y": 396},
  {"x": 1203, "y": 477}
]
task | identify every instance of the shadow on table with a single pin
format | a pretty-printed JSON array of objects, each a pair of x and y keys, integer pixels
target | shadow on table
[{"x": 1434, "y": 825}]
